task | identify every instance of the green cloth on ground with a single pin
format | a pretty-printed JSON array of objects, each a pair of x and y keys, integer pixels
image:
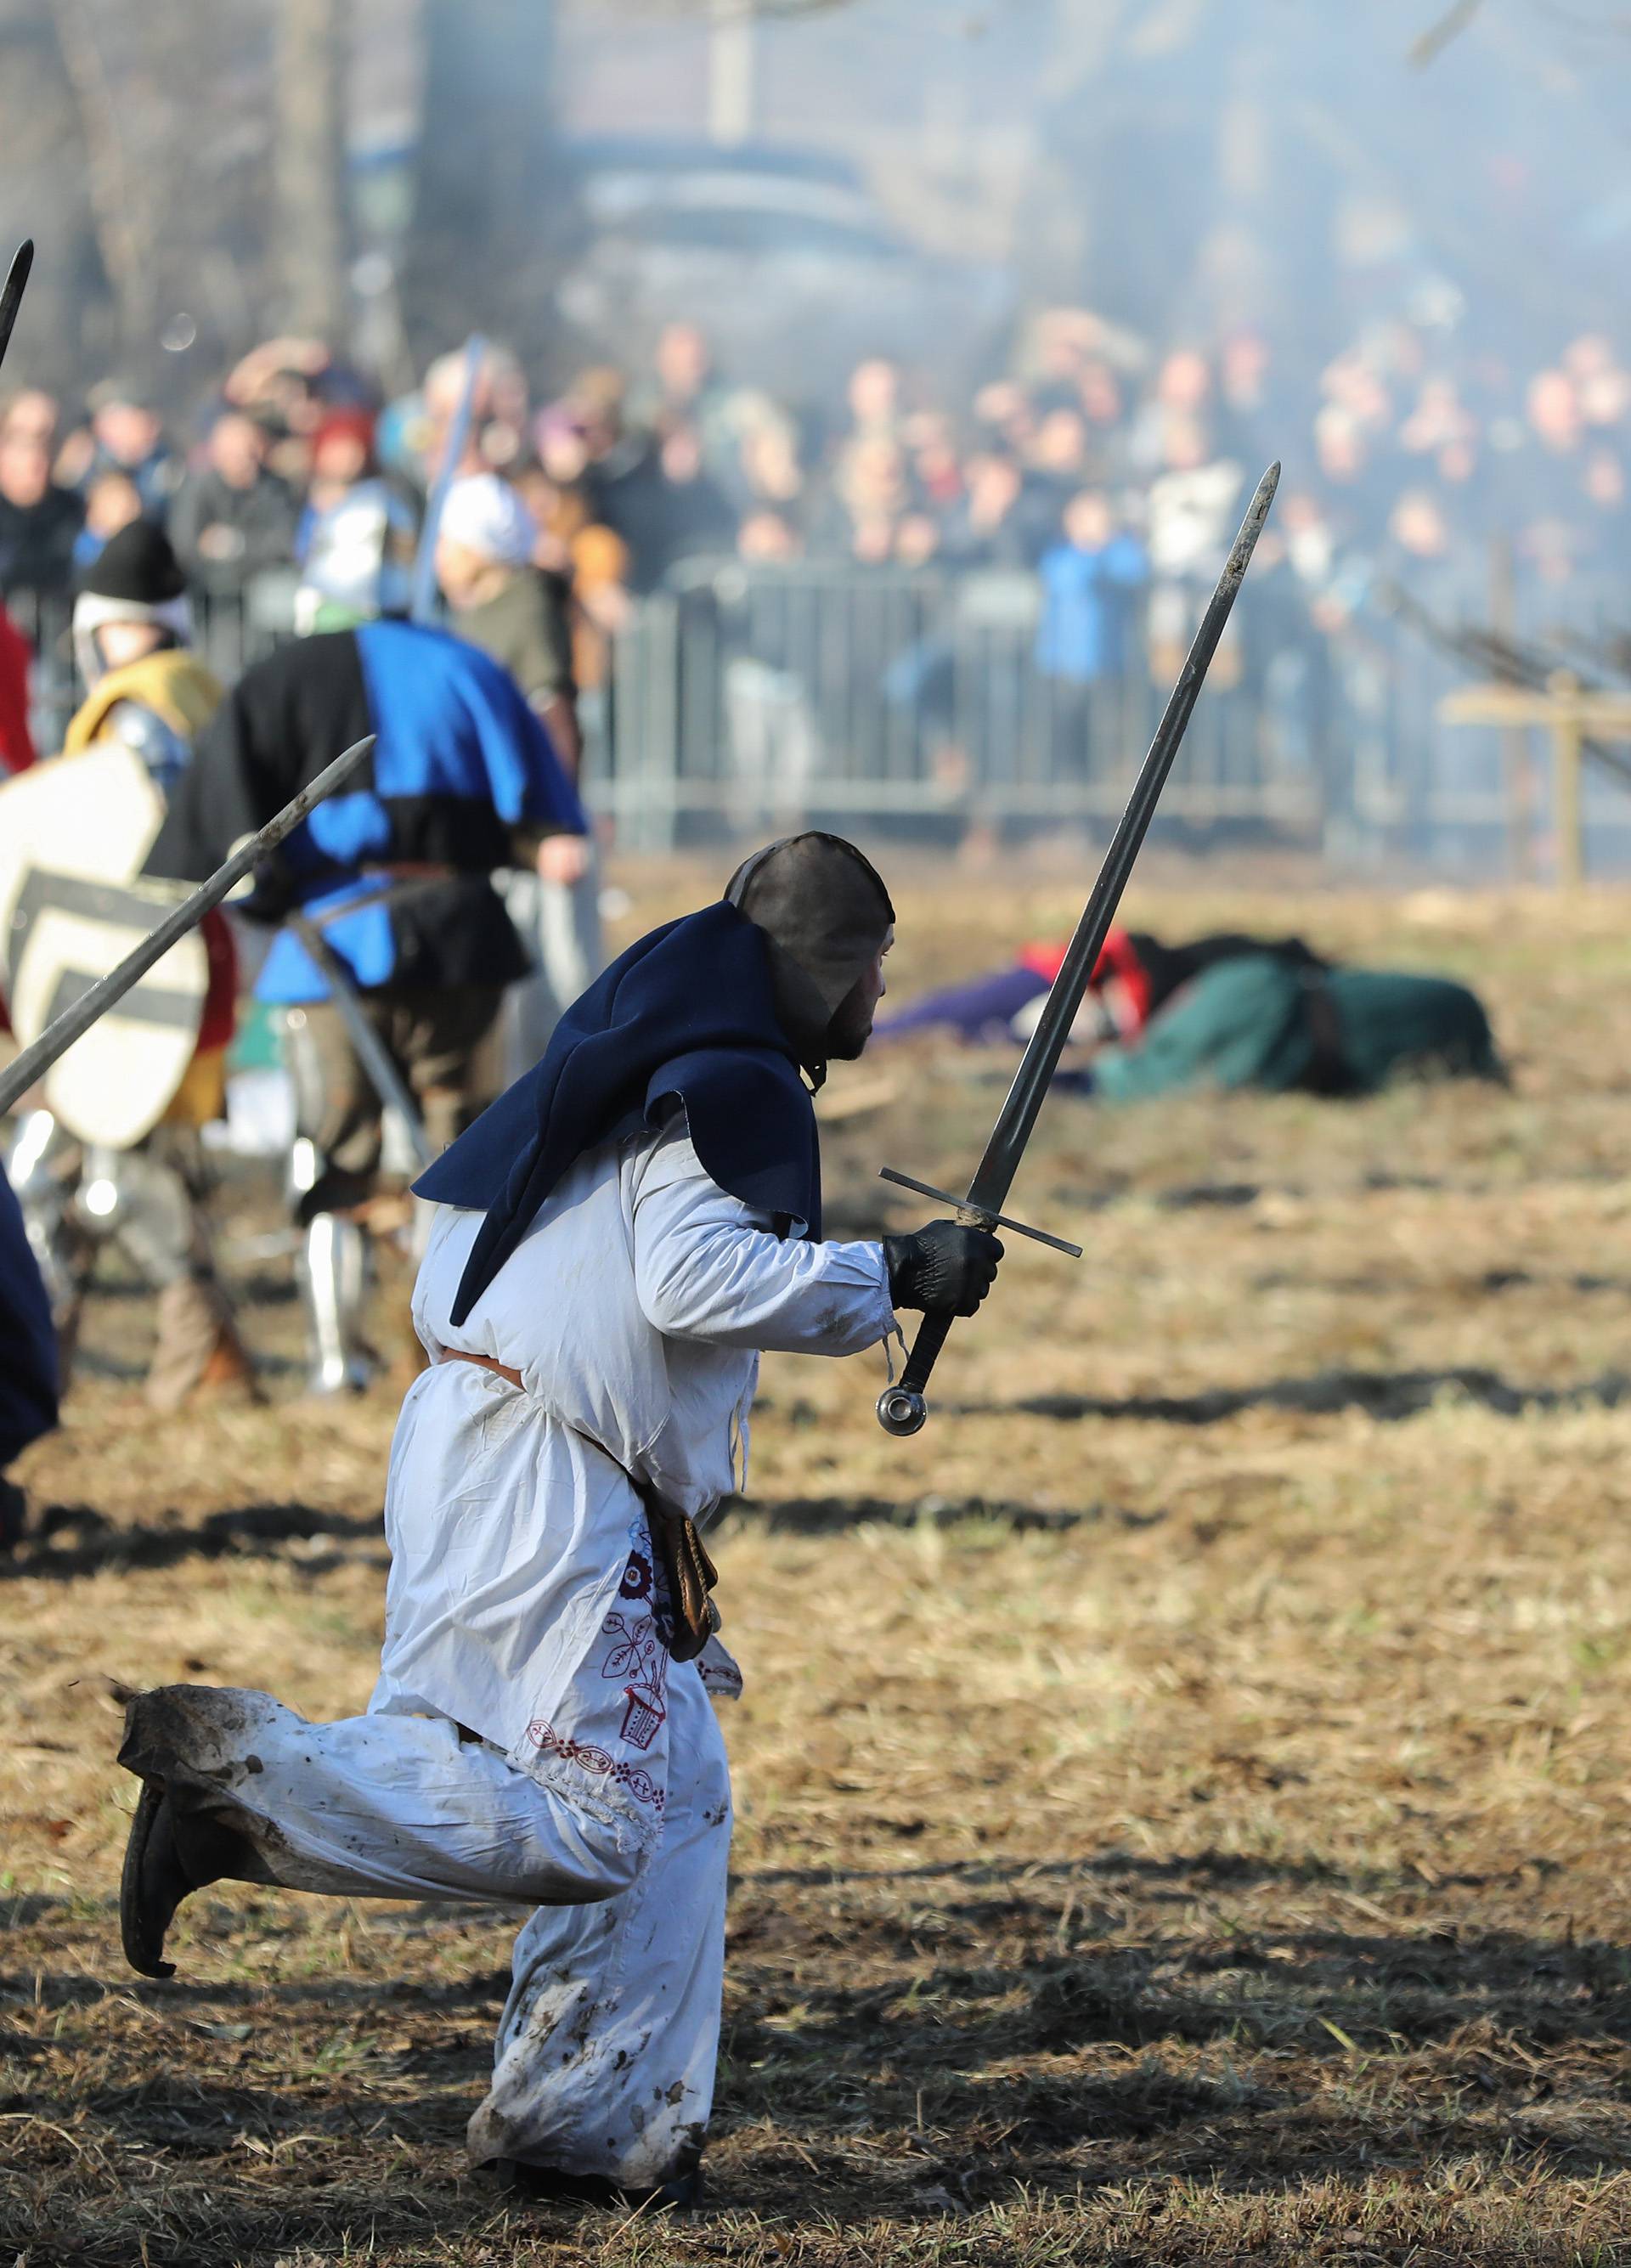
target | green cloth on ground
[{"x": 1245, "y": 1023}]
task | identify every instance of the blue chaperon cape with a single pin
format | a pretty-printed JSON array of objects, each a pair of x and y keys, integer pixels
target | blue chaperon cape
[
  {"x": 28, "y": 1379},
  {"x": 688, "y": 1011}
]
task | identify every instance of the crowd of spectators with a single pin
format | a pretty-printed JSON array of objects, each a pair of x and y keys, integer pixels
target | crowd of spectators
[{"x": 1110, "y": 474}]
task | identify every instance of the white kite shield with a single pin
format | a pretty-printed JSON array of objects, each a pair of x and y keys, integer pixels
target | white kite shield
[{"x": 74, "y": 833}]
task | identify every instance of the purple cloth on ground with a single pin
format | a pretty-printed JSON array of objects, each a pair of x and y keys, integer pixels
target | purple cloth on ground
[{"x": 981, "y": 1010}]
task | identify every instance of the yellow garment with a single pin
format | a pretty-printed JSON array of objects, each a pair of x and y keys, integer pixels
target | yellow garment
[
  {"x": 201, "y": 1095},
  {"x": 172, "y": 683},
  {"x": 177, "y": 688}
]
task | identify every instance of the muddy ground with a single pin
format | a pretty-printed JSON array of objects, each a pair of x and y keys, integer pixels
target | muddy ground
[{"x": 1183, "y": 1795}]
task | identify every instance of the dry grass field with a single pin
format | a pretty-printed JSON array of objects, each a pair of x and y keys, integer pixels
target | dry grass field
[{"x": 1184, "y": 1793}]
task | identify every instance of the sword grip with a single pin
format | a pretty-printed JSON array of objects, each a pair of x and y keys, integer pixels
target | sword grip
[{"x": 902, "y": 1410}]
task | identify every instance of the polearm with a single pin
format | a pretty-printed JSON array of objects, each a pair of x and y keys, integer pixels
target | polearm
[
  {"x": 74, "y": 1023},
  {"x": 423, "y": 608},
  {"x": 11, "y": 295},
  {"x": 371, "y": 1053},
  {"x": 902, "y": 1410}
]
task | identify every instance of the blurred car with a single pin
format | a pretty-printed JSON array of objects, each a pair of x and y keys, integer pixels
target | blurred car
[{"x": 783, "y": 256}]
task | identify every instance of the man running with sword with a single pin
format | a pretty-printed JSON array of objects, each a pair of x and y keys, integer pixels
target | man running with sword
[{"x": 615, "y": 1241}]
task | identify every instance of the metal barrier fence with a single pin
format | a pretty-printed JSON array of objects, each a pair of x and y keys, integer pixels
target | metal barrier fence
[
  {"x": 744, "y": 698},
  {"x": 749, "y": 696},
  {"x": 741, "y": 698}
]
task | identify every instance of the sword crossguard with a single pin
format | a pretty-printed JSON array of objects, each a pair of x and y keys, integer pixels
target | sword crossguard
[{"x": 975, "y": 1216}]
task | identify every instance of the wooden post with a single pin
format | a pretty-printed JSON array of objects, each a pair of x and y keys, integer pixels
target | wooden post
[
  {"x": 731, "y": 73},
  {"x": 309, "y": 166},
  {"x": 1567, "y": 733},
  {"x": 1515, "y": 765}
]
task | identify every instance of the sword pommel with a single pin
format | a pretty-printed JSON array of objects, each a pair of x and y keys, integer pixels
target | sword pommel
[{"x": 902, "y": 1413}]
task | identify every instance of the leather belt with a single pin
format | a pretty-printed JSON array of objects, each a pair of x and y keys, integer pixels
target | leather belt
[
  {"x": 691, "y": 1574},
  {"x": 1329, "y": 1071},
  {"x": 486, "y": 1362}
]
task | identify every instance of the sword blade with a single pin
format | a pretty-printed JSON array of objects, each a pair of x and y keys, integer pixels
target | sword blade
[
  {"x": 11, "y": 296},
  {"x": 901, "y": 1409},
  {"x": 989, "y": 1188}
]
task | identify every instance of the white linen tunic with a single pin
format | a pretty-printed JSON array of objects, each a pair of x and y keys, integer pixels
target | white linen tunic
[
  {"x": 529, "y": 1738},
  {"x": 634, "y": 1309}
]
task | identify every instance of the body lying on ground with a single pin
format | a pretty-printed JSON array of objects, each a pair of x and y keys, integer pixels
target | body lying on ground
[
  {"x": 1135, "y": 976},
  {"x": 1226, "y": 1011},
  {"x": 1257, "y": 1021}
]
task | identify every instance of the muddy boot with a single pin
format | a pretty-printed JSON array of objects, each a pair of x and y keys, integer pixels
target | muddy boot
[
  {"x": 199, "y": 1356},
  {"x": 681, "y": 2192},
  {"x": 184, "y": 1835},
  {"x": 152, "y": 1885},
  {"x": 174, "y": 1850}
]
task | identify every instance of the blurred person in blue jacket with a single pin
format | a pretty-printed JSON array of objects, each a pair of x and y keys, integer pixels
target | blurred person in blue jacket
[{"x": 1091, "y": 581}]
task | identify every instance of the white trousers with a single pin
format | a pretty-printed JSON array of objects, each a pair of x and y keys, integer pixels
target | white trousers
[{"x": 606, "y": 2050}]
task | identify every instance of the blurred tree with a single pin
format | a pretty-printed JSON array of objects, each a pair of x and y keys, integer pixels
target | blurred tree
[
  {"x": 309, "y": 166},
  {"x": 486, "y": 206},
  {"x": 45, "y": 193},
  {"x": 135, "y": 147}
]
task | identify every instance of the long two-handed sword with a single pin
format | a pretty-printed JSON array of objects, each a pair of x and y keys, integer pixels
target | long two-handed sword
[
  {"x": 12, "y": 291},
  {"x": 901, "y": 1409}
]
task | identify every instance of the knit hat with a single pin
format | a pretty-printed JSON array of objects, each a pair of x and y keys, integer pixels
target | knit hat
[
  {"x": 350, "y": 421},
  {"x": 137, "y": 567},
  {"x": 485, "y": 514},
  {"x": 134, "y": 577}
]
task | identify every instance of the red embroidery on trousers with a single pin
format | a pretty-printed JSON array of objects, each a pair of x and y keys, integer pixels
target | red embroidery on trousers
[{"x": 638, "y": 1782}]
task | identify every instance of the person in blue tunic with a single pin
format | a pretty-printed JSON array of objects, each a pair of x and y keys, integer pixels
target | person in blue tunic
[
  {"x": 395, "y": 873},
  {"x": 28, "y": 1377}
]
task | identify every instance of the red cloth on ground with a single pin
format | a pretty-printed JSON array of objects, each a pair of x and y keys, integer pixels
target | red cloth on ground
[{"x": 1119, "y": 958}]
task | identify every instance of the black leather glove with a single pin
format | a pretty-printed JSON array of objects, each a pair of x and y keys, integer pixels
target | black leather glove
[{"x": 945, "y": 1266}]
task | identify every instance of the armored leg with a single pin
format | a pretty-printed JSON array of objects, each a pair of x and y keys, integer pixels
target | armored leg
[
  {"x": 335, "y": 1159},
  {"x": 144, "y": 1201},
  {"x": 333, "y": 1272},
  {"x": 44, "y": 1167}
]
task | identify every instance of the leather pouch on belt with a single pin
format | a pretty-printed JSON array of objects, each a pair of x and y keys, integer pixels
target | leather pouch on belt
[{"x": 691, "y": 1575}]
